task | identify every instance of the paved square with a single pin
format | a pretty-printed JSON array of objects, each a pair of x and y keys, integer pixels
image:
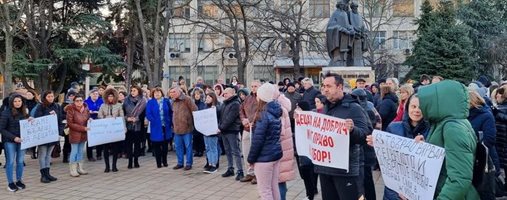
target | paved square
[{"x": 147, "y": 182}]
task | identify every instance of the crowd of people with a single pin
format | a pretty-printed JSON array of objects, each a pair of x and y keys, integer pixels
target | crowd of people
[{"x": 256, "y": 130}]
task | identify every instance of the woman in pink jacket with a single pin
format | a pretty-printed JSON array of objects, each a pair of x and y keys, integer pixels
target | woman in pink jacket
[{"x": 287, "y": 162}]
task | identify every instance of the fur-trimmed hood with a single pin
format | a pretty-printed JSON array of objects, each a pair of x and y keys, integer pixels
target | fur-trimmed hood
[{"x": 108, "y": 92}]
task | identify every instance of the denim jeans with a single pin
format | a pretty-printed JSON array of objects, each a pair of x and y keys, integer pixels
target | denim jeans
[
  {"x": 13, "y": 152},
  {"x": 232, "y": 150},
  {"x": 283, "y": 190},
  {"x": 44, "y": 155},
  {"x": 183, "y": 144},
  {"x": 76, "y": 152},
  {"x": 211, "y": 143}
]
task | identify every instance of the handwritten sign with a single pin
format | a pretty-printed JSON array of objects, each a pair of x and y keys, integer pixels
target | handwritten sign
[
  {"x": 103, "y": 131},
  {"x": 41, "y": 130},
  {"x": 322, "y": 138},
  {"x": 205, "y": 121},
  {"x": 408, "y": 167}
]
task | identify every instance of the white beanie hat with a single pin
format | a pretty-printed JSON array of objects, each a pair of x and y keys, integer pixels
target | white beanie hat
[{"x": 266, "y": 92}]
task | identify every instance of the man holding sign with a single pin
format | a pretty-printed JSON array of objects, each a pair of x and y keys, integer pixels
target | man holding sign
[{"x": 335, "y": 183}]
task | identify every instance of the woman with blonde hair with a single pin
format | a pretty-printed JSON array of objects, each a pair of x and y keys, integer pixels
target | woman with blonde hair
[{"x": 405, "y": 92}]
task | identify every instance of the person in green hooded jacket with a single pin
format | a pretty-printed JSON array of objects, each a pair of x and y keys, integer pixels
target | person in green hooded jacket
[{"x": 445, "y": 105}]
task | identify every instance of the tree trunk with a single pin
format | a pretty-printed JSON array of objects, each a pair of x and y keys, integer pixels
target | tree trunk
[
  {"x": 146, "y": 49},
  {"x": 156, "y": 46},
  {"x": 8, "y": 64},
  {"x": 130, "y": 57}
]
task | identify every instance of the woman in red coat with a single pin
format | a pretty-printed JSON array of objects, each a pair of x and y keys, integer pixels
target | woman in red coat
[{"x": 77, "y": 119}]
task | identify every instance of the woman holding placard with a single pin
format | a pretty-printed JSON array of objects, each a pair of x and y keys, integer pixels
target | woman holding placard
[
  {"x": 159, "y": 112},
  {"x": 111, "y": 108},
  {"x": 412, "y": 125},
  {"x": 78, "y": 116},
  {"x": 9, "y": 127},
  {"x": 211, "y": 141},
  {"x": 48, "y": 106}
]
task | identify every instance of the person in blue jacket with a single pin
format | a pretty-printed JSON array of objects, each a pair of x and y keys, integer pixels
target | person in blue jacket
[
  {"x": 159, "y": 112},
  {"x": 94, "y": 101},
  {"x": 266, "y": 150},
  {"x": 413, "y": 125}
]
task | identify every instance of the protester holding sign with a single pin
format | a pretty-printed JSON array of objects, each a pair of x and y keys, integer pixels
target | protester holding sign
[
  {"x": 10, "y": 130},
  {"x": 413, "y": 125},
  {"x": 77, "y": 119},
  {"x": 445, "y": 105},
  {"x": 48, "y": 107},
  {"x": 134, "y": 108},
  {"x": 339, "y": 183},
  {"x": 111, "y": 108},
  {"x": 211, "y": 141},
  {"x": 159, "y": 112},
  {"x": 266, "y": 150}
]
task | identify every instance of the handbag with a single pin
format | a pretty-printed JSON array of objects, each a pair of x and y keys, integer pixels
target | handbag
[{"x": 56, "y": 151}]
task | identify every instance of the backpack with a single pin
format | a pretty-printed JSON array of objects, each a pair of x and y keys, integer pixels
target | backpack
[{"x": 483, "y": 163}]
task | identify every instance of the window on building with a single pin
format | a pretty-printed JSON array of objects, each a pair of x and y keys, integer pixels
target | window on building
[
  {"x": 403, "y": 39},
  {"x": 207, "y": 42},
  {"x": 207, "y": 9},
  {"x": 179, "y": 42},
  {"x": 319, "y": 8},
  {"x": 180, "y": 11},
  {"x": 379, "y": 40},
  {"x": 208, "y": 73},
  {"x": 176, "y": 71},
  {"x": 376, "y": 8},
  {"x": 317, "y": 43},
  {"x": 265, "y": 72},
  {"x": 403, "y": 8}
]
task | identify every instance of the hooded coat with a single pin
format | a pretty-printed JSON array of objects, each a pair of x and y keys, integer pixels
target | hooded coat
[
  {"x": 108, "y": 110},
  {"x": 77, "y": 121},
  {"x": 266, "y": 145},
  {"x": 387, "y": 109},
  {"x": 287, "y": 162},
  {"x": 482, "y": 119},
  {"x": 445, "y": 105},
  {"x": 9, "y": 123}
]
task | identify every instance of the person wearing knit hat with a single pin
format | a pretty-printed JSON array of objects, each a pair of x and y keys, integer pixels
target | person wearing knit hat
[
  {"x": 266, "y": 91},
  {"x": 266, "y": 151}
]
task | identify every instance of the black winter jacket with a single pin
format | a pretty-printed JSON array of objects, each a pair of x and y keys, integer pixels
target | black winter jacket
[
  {"x": 387, "y": 109},
  {"x": 266, "y": 145},
  {"x": 9, "y": 125},
  {"x": 309, "y": 96},
  {"x": 349, "y": 108},
  {"x": 501, "y": 133},
  {"x": 229, "y": 122}
]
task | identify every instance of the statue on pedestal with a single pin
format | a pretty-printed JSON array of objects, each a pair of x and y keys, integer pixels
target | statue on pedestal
[
  {"x": 339, "y": 35},
  {"x": 359, "y": 46}
]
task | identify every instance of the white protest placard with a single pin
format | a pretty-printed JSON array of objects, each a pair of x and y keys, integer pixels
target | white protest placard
[
  {"x": 41, "y": 130},
  {"x": 408, "y": 167},
  {"x": 205, "y": 121},
  {"x": 323, "y": 139},
  {"x": 103, "y": 131}
]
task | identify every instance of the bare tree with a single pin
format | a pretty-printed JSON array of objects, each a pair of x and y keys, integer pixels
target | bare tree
[
  {"x": 378, "y": 15},
  {"x": 292, "y": 25},
  {"x": 10, "y": 24}
]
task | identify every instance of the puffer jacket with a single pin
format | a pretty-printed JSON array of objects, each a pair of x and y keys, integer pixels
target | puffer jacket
[
  {"x": 266, "y": 145},
  {"x": 94, "y": 106},
  {"x": 183, "y": 121},
  {"x": 445, "y": 105},
  {"x": 387, "y": 109},
  {"x": 9, "y": 125},
  {"x": 229, "y": 122},
  {"x": 287, "y": 162},
  {"x": 77, "y": 122},
  {"x": 348, "y": 108},
  {"x": 109, "y": 110},
  {"x": 501, "y": 134}
]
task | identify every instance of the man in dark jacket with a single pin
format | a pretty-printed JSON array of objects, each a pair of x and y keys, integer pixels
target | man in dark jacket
[
  {"x": 294, "y": 98},
  {"x": 229, "y": 127},
  {"x": 339, "y": 184},
  {"x": 310, "y": 92}
]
